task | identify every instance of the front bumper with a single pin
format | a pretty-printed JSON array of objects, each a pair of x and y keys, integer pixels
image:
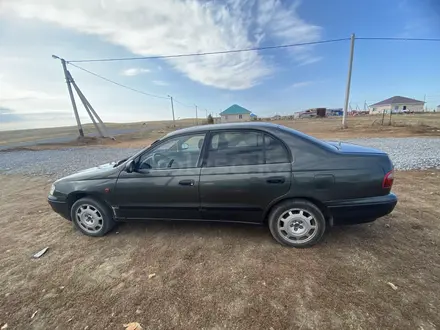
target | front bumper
[
  {"x": 361, "y": 210},
  {"x": 60, "y": 207}
]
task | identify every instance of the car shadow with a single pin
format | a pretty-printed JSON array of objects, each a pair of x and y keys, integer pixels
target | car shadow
[
  {"x": 193, "y": 227},
  {"x": 350, "y": 234}
]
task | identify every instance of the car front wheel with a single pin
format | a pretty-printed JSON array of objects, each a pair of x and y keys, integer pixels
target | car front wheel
[
  {"x": 297, "y": 223},
  {"x": 91, "y": 217}
]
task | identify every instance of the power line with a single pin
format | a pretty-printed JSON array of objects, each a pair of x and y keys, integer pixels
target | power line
[
  {"x": 185, "y": 105},
  {"x": 127, "y": 87},
  {"x": 118, "y": 84},
  {"x": 209, "y": 53},
  {"x": 398, "y": 39}
]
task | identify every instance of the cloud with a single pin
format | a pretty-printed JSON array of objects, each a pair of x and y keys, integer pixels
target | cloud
[
  {"x": 11, "y": 118},
  {"x": 189, "y": 26},
  {"x": 301, "y": 84},
  {"x": 7, "y": 115},
  {"x": 134, "y": 72},
  {"x": 16, "y": 94},
  {"x": 160, "y": 83}
]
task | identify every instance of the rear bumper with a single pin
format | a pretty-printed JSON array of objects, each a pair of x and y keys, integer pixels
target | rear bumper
[
  {"x": 362, "y": 210},
  {"x": 60, "y": 207}
]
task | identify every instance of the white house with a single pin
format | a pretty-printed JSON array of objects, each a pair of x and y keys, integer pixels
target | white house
[
  {"x": 397, "y": 104},
  {"x": 235, "y": 113}
]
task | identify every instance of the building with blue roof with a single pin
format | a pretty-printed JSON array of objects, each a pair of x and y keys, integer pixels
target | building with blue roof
[{"x": 235, "y": 113}]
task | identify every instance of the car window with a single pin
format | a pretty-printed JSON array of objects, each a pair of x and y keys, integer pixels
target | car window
[
  {"x": 275, "y": 151},
  {"x": 235, "y": 149},
  {"x": 178, "y": 152},
  {"x": 245, "y": 148}
]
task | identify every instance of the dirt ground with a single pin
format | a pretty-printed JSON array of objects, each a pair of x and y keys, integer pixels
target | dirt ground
[
  {"x": 219, "y": 276},
  {"x": 427, "y": 124}
]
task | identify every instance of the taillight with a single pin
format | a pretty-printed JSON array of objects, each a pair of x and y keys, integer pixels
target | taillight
[{"x": 388, "y": 180}]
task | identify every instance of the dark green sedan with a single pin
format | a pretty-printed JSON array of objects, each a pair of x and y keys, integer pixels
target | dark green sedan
[{"x": 256, "y": 173}]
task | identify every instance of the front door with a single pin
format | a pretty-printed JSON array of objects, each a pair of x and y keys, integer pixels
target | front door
[
  {"x": 242, "y": 173},
  {"x": 165, "y": 183}
]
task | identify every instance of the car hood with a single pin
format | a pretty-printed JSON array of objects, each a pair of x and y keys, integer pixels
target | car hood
[
  {"x": 98, "y": 172},
  {"x": 354, "y": 148}
]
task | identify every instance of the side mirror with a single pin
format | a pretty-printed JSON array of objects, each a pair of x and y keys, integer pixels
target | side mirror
[{"x": 130, "y": 166}]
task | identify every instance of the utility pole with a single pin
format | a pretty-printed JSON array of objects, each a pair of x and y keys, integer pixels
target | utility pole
[
  {"x": 92, "y": 113},
  {"x": 424, "y": 103},
  {"x": 347, "y": 91},
  {"x": 72, "y": 98},
  {"x": 197, "y": 119},
  {"x": 172, "y": 109},
  {"x": 84, "y": 101}
]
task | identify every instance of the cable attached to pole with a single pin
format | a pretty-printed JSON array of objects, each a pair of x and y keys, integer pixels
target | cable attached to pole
[
  {"x": 116, "y": 83},
  {"x": 209, "y": 53}
]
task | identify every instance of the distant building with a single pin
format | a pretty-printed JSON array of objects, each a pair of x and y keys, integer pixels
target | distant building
[
  {"x": 397, "y": 104},
  {"x": 335, "y": 112},
  {"x": 235, "y": 113},
  {"x": 438, "y": 108},
  {"x": 311, "y": 113}
]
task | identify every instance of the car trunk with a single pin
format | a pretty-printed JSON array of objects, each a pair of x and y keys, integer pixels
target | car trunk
[
  {"x": 354, "y": 148},
  {"x": 372, "y": 165}
]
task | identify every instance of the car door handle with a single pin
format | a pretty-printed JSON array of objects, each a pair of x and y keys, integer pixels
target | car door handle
[
  {"x": 276, "y": 179},
  {"x": 186, "y": 183}
]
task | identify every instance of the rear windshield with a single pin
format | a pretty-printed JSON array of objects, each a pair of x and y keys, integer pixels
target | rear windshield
[{"x": 306, "y": 137}]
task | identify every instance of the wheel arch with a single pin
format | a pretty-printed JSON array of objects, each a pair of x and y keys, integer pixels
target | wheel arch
[
  {"x": 325, "y": 211},
  {"x": 76, "y": 195}
]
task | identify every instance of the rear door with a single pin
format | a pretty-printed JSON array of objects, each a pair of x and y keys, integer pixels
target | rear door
[{"x": 243, "y": 171}]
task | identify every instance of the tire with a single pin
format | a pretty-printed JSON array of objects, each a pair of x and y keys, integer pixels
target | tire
[
  {"x": 92, "y": 217},
  {"x": 297, "y": 223}
]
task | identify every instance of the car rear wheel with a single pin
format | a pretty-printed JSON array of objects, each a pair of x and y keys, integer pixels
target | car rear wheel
[
  {"x": 92, "y": 217},
  {"x": 297, "y": 223}
]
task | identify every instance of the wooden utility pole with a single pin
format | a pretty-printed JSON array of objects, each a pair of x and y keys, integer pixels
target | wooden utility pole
[
  {"x": 172, "y": 110},
  {"x": 72, "y": 98},
  {"x": 347, "y": 90},
  {"x": 197, "y": 118},
  {"x": 102, "y": 130}
]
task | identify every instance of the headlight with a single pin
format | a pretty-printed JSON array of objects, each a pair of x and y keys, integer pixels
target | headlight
[{"x": 52, "y": 189}]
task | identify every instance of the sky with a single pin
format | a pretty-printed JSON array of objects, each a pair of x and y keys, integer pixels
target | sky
[{"x": 33, "y": 91}]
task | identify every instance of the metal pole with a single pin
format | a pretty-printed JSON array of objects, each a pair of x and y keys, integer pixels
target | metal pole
[
  {"x": 197, "y": 119},
  {"x": 347, "y": 91},
  {"x": 172, "y": 109},
  {"x": 72, "y": 98}
]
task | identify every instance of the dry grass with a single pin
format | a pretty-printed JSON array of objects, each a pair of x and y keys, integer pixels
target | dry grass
[
  {"x": 219, "y": 276},
  {"x": 326, "y": 128}
]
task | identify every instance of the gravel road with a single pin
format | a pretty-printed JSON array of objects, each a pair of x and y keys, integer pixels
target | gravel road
[{"x": 406, "y": 154}]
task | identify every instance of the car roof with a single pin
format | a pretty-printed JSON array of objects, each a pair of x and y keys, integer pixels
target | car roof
[{"x": 204, "y": 128}]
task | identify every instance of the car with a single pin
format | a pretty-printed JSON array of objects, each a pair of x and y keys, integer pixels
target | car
[{"x": 254, "y": 173}]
